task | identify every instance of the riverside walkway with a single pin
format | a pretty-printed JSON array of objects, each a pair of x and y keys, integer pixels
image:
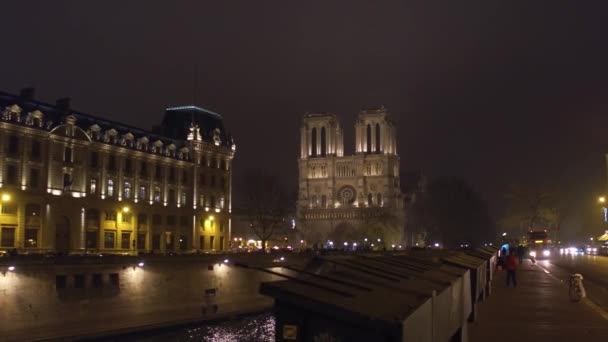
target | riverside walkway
[{"x": 538, "y": 310}]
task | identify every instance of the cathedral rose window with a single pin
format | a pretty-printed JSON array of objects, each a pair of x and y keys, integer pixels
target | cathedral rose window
[{"x": 346, "y": 194}]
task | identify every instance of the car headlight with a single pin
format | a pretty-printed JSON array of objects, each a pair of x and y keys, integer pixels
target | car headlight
[
  {"x": 533, "y": 254},
  {"x": 546, "y": 253}
]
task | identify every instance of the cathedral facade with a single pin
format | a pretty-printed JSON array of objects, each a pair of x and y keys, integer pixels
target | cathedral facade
[{"x": 354, "y": 198}]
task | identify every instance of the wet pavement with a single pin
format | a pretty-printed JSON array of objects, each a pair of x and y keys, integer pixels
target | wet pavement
[{"x": 539, "y": 309}]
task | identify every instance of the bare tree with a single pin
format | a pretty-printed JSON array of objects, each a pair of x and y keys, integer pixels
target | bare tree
[{"x": 267, "y": 204}]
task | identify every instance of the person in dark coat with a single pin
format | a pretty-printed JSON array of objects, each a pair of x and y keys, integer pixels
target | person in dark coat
[
  {"x": 511, "y": 266},
  {"x": 521, "y": 253}
]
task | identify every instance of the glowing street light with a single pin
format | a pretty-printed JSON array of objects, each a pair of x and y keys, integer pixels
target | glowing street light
[
  {"x": 6, "y": 197},
  {"x": 141, "y": 264},
  {"x": 504, "y": 234},
  {"x": 125, "y": 209},
  {"x": 601, "y": 199},
  {"x": 11, "y": 268}
]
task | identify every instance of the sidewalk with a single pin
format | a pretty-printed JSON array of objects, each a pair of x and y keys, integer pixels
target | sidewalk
[{"x": 539, "y": 309}]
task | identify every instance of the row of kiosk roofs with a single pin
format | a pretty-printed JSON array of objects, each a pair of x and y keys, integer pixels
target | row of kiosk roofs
[{"x": 409, "y": 296}]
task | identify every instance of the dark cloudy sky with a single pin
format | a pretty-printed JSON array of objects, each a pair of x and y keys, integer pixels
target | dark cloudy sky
[{"x": 494, "y": 91}]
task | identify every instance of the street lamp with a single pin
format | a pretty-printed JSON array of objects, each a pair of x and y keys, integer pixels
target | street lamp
[
  {"x": 504, "y": 234},
  {"x": 125, "y": 209},
  {"x": 6, "y": 197},
  {"x": 601, "y": 199}
]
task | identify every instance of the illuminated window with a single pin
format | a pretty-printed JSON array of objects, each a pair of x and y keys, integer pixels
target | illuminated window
[
  {"x": 184, "y": 196},
  {"x": 93, "y": 186},
  {"x": 142, "y": 192},
  {"x": 127, "y": 190},
  {"x": 110, "y": 187},
  {"x": 156, "y": 194},
  {"x": 222, "y": 202}
]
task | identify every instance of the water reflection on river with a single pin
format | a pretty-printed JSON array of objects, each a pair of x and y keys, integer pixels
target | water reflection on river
[{"x": 258, "y": 328}]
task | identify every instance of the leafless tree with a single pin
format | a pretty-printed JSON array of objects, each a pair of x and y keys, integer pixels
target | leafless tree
[{"x": 267, "y": 204}]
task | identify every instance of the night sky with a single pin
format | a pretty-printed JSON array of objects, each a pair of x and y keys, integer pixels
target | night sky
[{"x": 492, "y": 91}]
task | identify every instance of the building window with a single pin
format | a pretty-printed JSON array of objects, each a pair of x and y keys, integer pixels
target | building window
[
  {"x": 142, "y": 218},
  {"x": 156, "y": 241},
  {"x": 8, "y": 236},
  {"x": 110, "y": 187},
  {"x": 141, "y": 241},
  {"x": 212, "y": 180},
  {"x": 202, "y": 242},
  {"x": 221, "y": 243},
  {"x": 13, "y": 145},
  {"x": 67, "y": 182},
  {"x": 211, "y": 241},
  {"x": 169, "y": 241},
  {"x": 379, "y": 199},
  {"x": 79, "y": 281},
  {"x": 142, "y": 192},
  {"x": 221, "y": 226},
  {"x": 171, "y": 220},
  {"x": 323, "y": 201},
  {"x": 184, "y": 177},
  {"x": 212, "y": 201},
  {"x": 67, "y": 154},
  {"x": 171, "y": 174},
  {"x": 184, "y": 197},
  {"x": 171, "y": 196},
  {"x": 110, "y": 215},
  {"x": 31, "y": 238},
  {"x": 156, "y": 194},
  {"x": 93, "y": 186},
  {"x": 313, "y": 200},
  {"x": 112, "y": 163},
  {"x": 158, "y": 173},
  {"x": 202, "y": 200},
  {"x": 35, "y": 155},
  {"x": 222, "y": 202},
  {"x": 11, "y": 175},
  {"x": 128, "y": 168},
  {"x": 108, "y": 240},
  {"x": 203, "y": 179},
  {"x": 223, "y": 182},
  {"x": 126, "y": 217},
  {"x": 183, "y": 242},
  {"x": 125, "y": 240},
  {"x": 143, "y": 169},
  {"x": 127, "y": 190},
  {"x": 156, "y": 219},
  {"x": 369, "y": 199},
  {"x": 183, "y": 221},
  {"x": 32, "y": 209},
  {"x": 94, "y": 161},
  {"x": 91, "y": 242},
  {"x": 97, "y": 280},
  {"x": 34, "y": 178},
  {"x": 9, "y": 209},
  {"x": 223, "y": 164}
]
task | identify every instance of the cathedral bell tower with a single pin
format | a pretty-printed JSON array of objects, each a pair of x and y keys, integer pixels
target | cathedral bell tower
[
  {"x": 321, "y": 136},
  {"x": 375, "y": 132}
]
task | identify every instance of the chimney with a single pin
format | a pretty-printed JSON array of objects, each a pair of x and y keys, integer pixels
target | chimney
[
  {"x": 27, "y": 93},
  {"x": 63, "y": 103}
]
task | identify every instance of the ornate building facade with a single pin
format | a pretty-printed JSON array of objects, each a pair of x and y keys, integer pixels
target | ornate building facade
[
  {"x": 350, "y": 198},
  {"x": 72, "y": 182}
]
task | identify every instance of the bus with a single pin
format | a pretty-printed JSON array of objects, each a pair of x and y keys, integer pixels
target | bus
[{"x": 539, "y": 244}]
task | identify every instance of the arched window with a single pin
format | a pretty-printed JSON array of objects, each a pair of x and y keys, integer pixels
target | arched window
[
  {"x": 379, "y": 199},
  {"x": 313, "y": 142},
  {"x": 369, "y": 138},
  {"x": 323, "y": 142},
  {"x": 377, "y": 137},
  {"x": 369, "y": 199},
  {"x": 323, "y": 201}
]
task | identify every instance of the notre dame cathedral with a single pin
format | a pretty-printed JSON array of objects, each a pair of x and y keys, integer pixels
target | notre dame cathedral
[{"x": 354, "y": 198}]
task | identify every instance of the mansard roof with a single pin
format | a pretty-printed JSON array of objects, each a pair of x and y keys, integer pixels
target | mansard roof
[{"x": 102, "y": 130}]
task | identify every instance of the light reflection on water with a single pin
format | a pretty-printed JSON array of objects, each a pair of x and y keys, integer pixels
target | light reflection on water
[{"x": 257, "y": 328}]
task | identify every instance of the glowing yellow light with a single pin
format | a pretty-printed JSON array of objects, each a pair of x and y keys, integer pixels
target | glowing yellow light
[
  {"x": 602, "y": 199},
  {"x": 210, "y": 217},
  {"x": 538, "y": 241},
  {"x": 125, "y": 209},
  {"x": 6, "y": 197}
]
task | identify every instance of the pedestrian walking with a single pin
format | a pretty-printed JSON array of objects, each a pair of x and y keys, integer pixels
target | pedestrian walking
[
  {"x": 521, "y": 253},
  {"x": 511, "y": 266}
]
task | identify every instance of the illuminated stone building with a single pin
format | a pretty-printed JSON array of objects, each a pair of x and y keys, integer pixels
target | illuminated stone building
[
  {"x": 73, "y": 182},
  {"x": 349, "y": 198}
]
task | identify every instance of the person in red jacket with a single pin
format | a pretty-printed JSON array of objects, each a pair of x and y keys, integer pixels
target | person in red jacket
[{"x": 511, "y": 266}]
